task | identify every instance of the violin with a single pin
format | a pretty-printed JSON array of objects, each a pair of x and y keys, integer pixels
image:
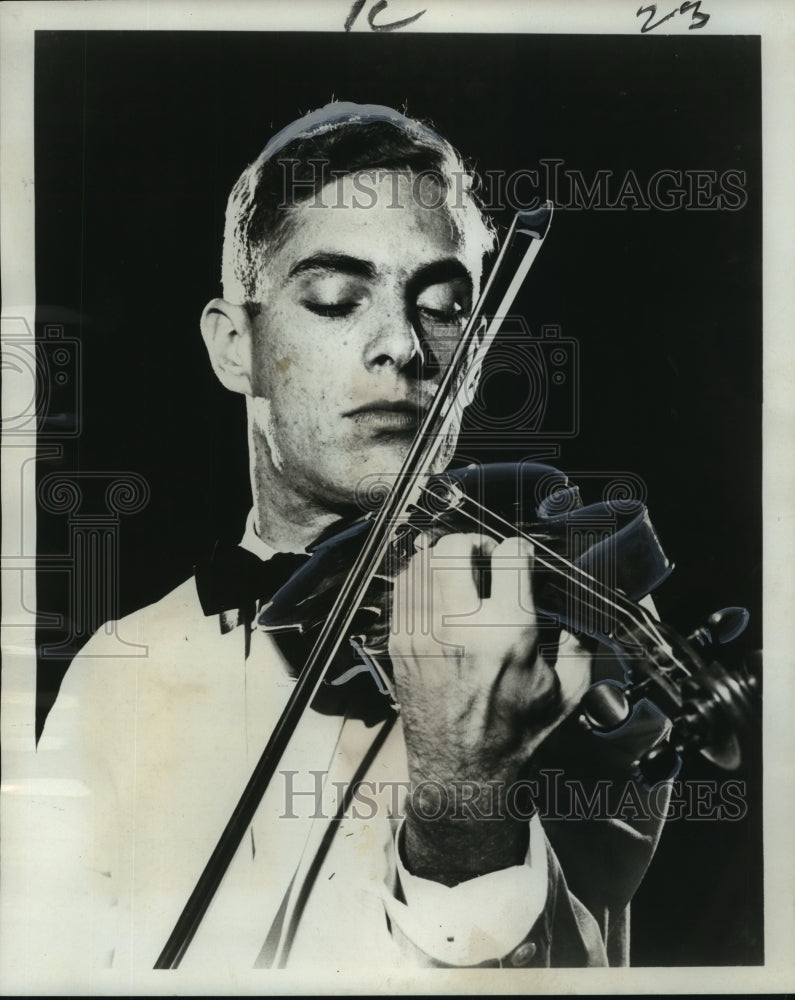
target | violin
[{"x": 592, "y": 566}]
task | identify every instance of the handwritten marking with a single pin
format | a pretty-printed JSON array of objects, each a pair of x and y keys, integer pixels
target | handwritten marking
[
  {"x": 698, "y": 17},
  {"x": 375, "y": 10}
]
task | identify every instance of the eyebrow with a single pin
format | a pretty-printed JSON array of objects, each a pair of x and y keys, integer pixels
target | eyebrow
[
  {"x": 437, "y": 272},
  {"x": 341, "y": 262}
]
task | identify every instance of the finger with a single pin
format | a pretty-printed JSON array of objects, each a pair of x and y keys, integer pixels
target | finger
[
  {"x": 422, "y": 541},
  {"x": 438, "y": 581},
  {"x": 574, "y": 668},
  {"x": 455, "y": 583},
  {"x": 410, "y": 589},
  {"x": 511, "y": 580},
  {"x": 548, "y": 695},
  {"x": 458, "y": 544}
]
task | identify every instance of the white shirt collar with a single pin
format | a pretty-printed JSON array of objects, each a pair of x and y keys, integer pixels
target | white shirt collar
[{"x": 255, "y": 544}]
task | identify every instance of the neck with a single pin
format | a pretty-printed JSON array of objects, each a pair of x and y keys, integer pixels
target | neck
[{"x": 284, "y": 520}]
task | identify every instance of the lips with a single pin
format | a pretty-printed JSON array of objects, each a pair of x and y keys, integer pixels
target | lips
[{"x": 399, "y": 416}]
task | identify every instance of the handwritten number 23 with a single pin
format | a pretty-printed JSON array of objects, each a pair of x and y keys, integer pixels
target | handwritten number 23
[{"x": 698, "y": 19}]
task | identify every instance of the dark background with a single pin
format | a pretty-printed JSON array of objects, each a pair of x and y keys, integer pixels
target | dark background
[{"x": 139, "y": 137}]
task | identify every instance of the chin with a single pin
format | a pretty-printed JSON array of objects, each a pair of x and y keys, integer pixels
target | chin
[{"x": 370, "y": 473}]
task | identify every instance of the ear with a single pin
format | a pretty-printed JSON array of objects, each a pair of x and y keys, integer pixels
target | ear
[{"x": 226, "y": 329}]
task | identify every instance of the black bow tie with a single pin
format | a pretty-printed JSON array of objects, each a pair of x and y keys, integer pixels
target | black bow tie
[{"x": 232, "y": 577}]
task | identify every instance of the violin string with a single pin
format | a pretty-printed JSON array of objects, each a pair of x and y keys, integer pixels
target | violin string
[
  {"x": 537, "y": 543},
  {"x": 604, "y": 596},
  {"x": 579, "y": 577},
  {"x": 560, "y": 566},
  {"x": 572, "y": 573}
]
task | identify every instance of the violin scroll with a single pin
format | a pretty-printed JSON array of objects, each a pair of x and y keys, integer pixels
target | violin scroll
[{"x": 716, "y": 704}]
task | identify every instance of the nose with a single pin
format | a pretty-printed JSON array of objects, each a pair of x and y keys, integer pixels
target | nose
[{"x": 393, "y": 342}]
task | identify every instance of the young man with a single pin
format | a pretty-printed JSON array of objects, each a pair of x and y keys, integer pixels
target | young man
[{"x": 353, "y": 252}]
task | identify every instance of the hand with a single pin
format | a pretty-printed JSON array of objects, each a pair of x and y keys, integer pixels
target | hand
[{"x": 479, "y": 691}]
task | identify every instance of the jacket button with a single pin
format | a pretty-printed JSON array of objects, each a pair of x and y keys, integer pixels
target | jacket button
[{"x": 524, "y": 954}]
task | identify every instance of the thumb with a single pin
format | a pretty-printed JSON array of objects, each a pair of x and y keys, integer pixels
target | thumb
[{"x": 573, "y": 668}]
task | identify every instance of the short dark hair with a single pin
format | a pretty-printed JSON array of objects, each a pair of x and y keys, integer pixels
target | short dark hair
[{"x": 337, "y": 140}]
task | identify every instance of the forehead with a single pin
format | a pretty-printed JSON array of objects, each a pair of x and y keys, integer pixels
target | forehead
[{"x": 395, "y": 220}]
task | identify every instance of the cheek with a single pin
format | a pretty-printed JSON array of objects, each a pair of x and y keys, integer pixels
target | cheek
[
  {"x": 294, "y": 356},
  {"x": 300, "y": 389},
  {"x": 301, "y": 409},
  {"x": 317, "y": 384}
]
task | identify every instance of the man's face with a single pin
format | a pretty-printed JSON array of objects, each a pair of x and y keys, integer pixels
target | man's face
[{"x": 364, "y": 303}]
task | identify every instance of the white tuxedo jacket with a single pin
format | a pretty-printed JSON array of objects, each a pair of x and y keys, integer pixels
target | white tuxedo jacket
[{"x": 153, "y": 753}]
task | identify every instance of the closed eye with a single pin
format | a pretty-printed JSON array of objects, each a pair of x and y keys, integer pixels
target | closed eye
[
  {"x": 442, "y": 315},
  {"x": 333, "y": 310}
]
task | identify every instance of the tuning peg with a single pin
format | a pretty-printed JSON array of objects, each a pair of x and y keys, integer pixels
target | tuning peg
[
  {"x": 604, "y": 706},
  {"x": 660, "y": 763},
  {"x": 721, "y": 627}
]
